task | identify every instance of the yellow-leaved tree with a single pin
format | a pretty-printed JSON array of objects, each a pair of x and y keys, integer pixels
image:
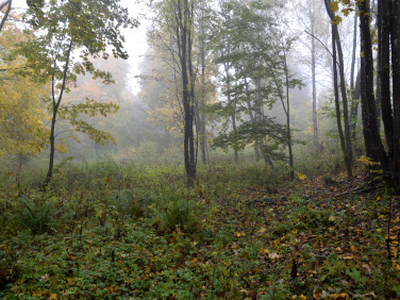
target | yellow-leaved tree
[{"x": 22, "y": 115}]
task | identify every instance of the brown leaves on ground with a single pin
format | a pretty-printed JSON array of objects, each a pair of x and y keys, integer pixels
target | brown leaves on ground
[{"x": 320, "y": 239}]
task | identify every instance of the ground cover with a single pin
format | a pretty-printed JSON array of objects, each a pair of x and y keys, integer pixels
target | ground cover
[{"x": 113, "y": 232}]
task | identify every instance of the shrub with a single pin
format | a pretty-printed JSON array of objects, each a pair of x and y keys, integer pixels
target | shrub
[
  {"x": 172, "y": 210},
  {"x": 36, "y": 217},
  {"x": 133, "y": 204}
]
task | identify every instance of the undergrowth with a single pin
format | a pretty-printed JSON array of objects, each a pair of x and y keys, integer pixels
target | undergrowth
[{"x": 106, "y": 230}]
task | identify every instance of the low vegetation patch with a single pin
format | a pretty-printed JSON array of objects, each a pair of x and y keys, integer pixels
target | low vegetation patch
[{"x": 116, "y": 235}]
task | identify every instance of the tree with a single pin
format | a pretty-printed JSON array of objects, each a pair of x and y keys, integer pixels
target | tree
[
  {"x": 284, "y": 83},
  {"x": 308, "y": 13},
  {"x": 312, "y": 18},
  {"x": 338, "y": 63},
  {"x": 7, "y": 5},
  {"x": 67, "y": 26},
  {"x": 175, "y": 30},
  {"x": 205, "y": 87},
  {"x": 255, "y": 75},
  {"x": 22, "y": 113},
  {"x": 234, "y": 41},
  {"x": 388, "y": 23},
  {"x": 183, "y": 12}
]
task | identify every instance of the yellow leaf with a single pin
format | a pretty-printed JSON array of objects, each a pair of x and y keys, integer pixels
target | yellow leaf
[
  {"x": 262, "y": 230},
  {"x": 53, "y": 297},
  {"x": 347, "y": 256},
  {"x": 194, "y": 260},
  {"x": 301, "y": 176},
  {"x": 273, "y": 256},
  {"x": 334, "y": 6}
]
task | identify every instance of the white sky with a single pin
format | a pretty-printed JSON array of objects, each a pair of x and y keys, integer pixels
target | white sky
[{"x": 135, "y": 40}]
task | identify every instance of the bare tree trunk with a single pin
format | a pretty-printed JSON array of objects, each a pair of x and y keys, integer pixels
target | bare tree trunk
[
  {"x": 337, "y": 104},
  {"x": 201, "y": 103},
  {"x": 7, "y": 12},
  {"x": 345, "y": 139},
  {"x": 347, "y": 133},
  {"x": 230, "y": 102},
  {"x": 395, "y": 42},
  {"x": 234, "y": 128},
  {"x": 372, "y": 138},
  {"x": 253, "y": 116},
  {"x": 313, "y": 78},
  {"x": 52, "y": 148},
  {"x": 354, "y": 84},
  {"x": 191, "y": 87},
  {"x": 183, "y": 14},
  {"x": 288, "y": 128},
  {"x": 355, "y": 94},
  {"x": 384, "y": 72}
]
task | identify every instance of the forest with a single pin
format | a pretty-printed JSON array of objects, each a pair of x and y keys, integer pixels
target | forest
[{"x": 251, "y": 150}]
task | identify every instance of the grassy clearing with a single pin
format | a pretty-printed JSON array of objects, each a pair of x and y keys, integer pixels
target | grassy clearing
[{"x": 108, "y": 231}]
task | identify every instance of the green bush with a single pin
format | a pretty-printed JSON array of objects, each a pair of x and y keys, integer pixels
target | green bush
[
  {"x": 133, "y": 204},
  {"x": 171, "y": 210},
  {"x": 36, "y": 217},
  {"x": 9, "y": 271},
  {"x": 312, "y": 218}
]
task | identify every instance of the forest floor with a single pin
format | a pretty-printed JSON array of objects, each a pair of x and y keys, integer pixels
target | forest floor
[{"x": 319, "y": 239}]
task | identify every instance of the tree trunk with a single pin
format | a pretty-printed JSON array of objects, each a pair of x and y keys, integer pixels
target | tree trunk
[
  {"x": 288, "y": 128},
  {"x": 354, "y": 84},
  {"x": 56, "y": 105},
  {"x": 236, "y": 153},
  {"x": 372, "y": 138},
  {"x": 184, "y": 39},
  {"x": 313, "y": 78},
  {"x": 347, "y": 133},
  {"x": 52, "y": 148},
  {"x": 253, "y": 117},
  {"x": 355, "y": 94},
  {"x": 345, "y": 138},
  {"x": 395, "y": 42},
  {"x": 201, "y": 103},
  {"x": 191, "y": 100},
  {"x": 7, "y": 12},
  {"x": 230, "y": 102},
  {"x": 384, "y": 71},
  {"x": 337, "y": 104}
]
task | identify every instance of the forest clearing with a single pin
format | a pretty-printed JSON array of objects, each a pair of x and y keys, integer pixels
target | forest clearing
[{"x": 107, "y": 231}]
